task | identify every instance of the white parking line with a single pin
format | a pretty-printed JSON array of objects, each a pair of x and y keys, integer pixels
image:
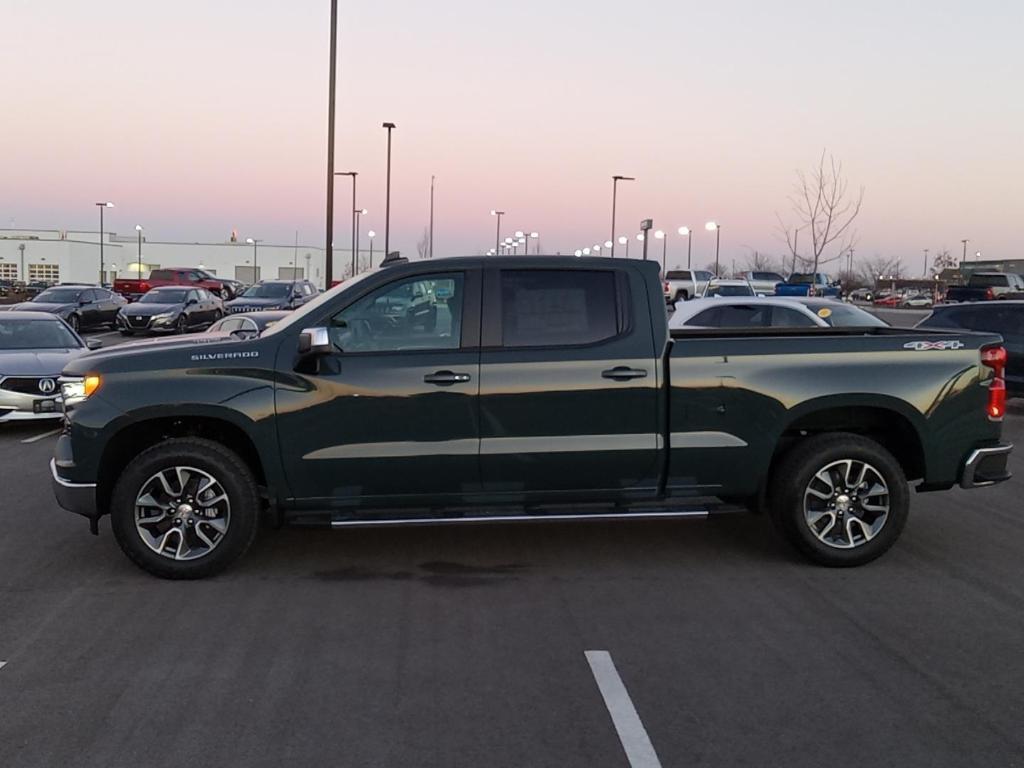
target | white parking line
[
  {"x": 637, "y": 745},
  {"x": 51, "y": 433}
]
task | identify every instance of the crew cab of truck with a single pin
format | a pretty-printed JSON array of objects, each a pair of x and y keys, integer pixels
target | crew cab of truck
[
  {"x": 526, "y": 388},
  {"x": 809, "y": 284}
]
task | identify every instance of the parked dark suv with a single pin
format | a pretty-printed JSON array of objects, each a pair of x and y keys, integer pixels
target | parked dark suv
[
  {"x": 272, "y": 294},
  {"x": 1003, "y": 317}
]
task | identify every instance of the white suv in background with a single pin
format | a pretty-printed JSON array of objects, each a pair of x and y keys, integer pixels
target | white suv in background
[{"x": 763, "y": 283}]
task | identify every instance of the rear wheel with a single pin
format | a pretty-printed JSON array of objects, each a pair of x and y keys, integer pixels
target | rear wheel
[
  {"x": 840, "y": 499},
  {"x": 185, "y": 509}
]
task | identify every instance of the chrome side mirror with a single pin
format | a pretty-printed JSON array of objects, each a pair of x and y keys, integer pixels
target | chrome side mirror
[
  {"x": 93, "y": 344},
  {"x": 315, "y": 341}
]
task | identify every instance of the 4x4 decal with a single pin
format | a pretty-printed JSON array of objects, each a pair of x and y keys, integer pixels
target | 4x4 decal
[{"x": 924, "y": 346}]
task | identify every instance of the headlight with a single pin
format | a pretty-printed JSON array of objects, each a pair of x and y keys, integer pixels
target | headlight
[
  {"x": 164, "y": 317},
  {"x": 76, "y": 389}
]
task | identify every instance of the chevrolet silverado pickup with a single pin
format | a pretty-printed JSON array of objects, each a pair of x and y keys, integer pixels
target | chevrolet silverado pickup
[{"x": 529, "y": 388}]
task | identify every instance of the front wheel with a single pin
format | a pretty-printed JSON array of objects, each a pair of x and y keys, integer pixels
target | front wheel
[
  {"x": 181, "y": 326},
  {"x": 185, "y": 509},
  {"x": 840, "y": 499}
]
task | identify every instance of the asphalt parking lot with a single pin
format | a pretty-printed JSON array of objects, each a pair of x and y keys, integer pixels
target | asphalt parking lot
[{"x": 465, "y": 646}]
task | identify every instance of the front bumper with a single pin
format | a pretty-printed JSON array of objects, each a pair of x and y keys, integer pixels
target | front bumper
[
  {"x": 986, "y": 466},
  {"x": 79, "y": 498},
  {"x": 20, "y": 406}
]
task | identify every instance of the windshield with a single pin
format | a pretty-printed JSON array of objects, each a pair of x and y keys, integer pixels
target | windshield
[
  {"x": 844, "y": 316},
  {"x": 729, "y": 290},
  {"x": 300, "y": 316},
  {"x": 268, "y": 291},
  {"x": 36, "y": 334},
  {"x": 164, "y": 296},
  {"x": 59, "y": 296}
]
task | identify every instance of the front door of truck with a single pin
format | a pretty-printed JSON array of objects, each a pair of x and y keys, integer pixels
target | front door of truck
[
  {"x": 391, "y": 415},
  {"x": 569, "y": 398}
]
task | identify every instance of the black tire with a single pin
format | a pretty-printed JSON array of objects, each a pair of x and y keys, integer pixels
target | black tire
[
  {"x": 181, "y": 327},
  {"x": 793, "y": 476},
  {"x": 682, "y": 295},
  {"x": 207, "y": 456}
]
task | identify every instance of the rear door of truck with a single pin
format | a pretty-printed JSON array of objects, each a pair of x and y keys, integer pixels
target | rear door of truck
[{"x": 569, "y": 381}]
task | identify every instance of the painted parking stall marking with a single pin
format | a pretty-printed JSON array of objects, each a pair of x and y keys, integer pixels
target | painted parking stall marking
[
  {"x": 632, "y": 734},
  {"x": 36, "y": 438}
]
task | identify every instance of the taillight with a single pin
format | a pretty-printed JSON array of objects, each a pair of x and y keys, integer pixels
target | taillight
[
  {"x": 990, "y": 294},
  {"x": 995, "y": 358}
]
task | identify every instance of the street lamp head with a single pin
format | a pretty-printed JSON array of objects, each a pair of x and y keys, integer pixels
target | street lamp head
[
  {"x": 623, "y": 178},
  {"x": 497, "y": 213},
  {"x": 508, "y": 241},
  {"x": 361, "y": 211},
  {"x": 640, "y": 236},
  {"x": 586, "y": 251},
  {"x": 578, "y": 253},
  {"x": 353, "y": 174},
  {"x": 659, "y": 234},
  {"x": 596, "y": 248},
  {"x": 388, "y": 125},
  {"x": 138, "y": 227},
  {"x": 623, "y": 240},
  {"x": 711, "y": 226},
  {"x": 371, "y": 234},
  {"x": 684, "y": 231},
  {"x": 250, "y": 241},
  {"x": 535, "y": 235},
  {"x": 607, "y": 243},
  {"x": 106, "y": 204},
  {"x": 519, "y": 233}
]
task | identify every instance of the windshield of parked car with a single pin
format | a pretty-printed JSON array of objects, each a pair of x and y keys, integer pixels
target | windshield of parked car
[
  {"x": 268, "y": 291},
  {"x": 841, "y": 315},
  {"x": 165, "y": 296},
  {"x": 45, "y": 333},
  {"x": 729, "y": 290},
  {"x": 59, "y": 296}
]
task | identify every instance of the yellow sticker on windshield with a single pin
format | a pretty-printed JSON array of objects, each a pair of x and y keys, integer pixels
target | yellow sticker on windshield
[{"x": 824, "y": 312}]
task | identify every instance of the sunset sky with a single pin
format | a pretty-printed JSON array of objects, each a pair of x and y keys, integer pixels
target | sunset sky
[{"x": 200, "y": 116}]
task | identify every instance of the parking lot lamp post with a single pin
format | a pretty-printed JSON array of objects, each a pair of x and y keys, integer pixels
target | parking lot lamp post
[
  {"x": 685, "y": 232},
  {"x": 371, "y": 234},
  {"x": 717, "y": 229},
  {"x": 642, "y": 237},
  {"x": 21, "y": 273},
  {"x": 387, "y": 194},
  {"x": 307, "y": 266},
  {"x": 353, "y": 174},
  {"x": 138, "y": 231},
  {"x": 664, "y": 248},
  {"x": 615, "y": 192},
  {"x": 596, "y": 249},
  {"x": 623, "y": 240},
  {"x": 358, "y": 215},
  {"x": 965, "y": 242},
  {"x": 255, "y": 266},
  {"x": 102, "y": 206},
  {"x": 497, "y": 234}
]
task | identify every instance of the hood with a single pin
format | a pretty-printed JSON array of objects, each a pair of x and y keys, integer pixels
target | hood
[
  {"x": 36, "y": 306},
  {"x": 189, "y": 344},
  {"x": 26, "y": 362},
  {"x": 148, "y": 310},
  {"x": 243, "y": 304}
]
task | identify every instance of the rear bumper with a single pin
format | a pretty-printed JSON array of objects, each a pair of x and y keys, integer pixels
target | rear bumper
[
  {"x": 79, "y": 498},
  {"x": 986, "y": 466}
]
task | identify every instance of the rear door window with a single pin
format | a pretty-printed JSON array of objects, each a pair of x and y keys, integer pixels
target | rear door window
[
  {"x": 547, "y": 308},
  {"x": 784, "y": 317},
  {"x": 732, "y": 316}
]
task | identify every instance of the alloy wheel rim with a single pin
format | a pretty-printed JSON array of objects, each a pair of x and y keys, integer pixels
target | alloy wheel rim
[
  {"x": 846, "y": 504},
  {"x": 182, "y": 513}
]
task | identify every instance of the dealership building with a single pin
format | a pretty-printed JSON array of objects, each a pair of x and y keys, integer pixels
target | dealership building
[{"x": 73, "y": 256}]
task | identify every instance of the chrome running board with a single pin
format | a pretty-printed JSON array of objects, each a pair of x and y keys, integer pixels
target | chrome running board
[{"x": 539, "y": 518}]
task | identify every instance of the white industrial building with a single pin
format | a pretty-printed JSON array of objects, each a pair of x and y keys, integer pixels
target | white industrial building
[{"x": 58, "y": 255}]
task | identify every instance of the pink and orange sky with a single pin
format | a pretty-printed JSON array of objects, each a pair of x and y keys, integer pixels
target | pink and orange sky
[{"x": 200, "y": 116}]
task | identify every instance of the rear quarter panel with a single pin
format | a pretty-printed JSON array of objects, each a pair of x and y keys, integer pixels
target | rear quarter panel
[{"x": 732, "y": 399}]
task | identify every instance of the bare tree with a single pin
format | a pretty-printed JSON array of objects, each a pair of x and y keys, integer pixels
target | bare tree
[
  {"x": 423, "y": 246},
  {"x": 757, "y": 261},
  {"x": 875, "y": 267},
  {"x": 825, "y": 211},
  {"x": 944, "y": 260}
]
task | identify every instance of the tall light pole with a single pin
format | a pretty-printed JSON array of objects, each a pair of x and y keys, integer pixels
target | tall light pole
[
  {"x": 138, "y": 231},
  {"x": 717, "y": 228},
  {"x": 358, "y": 215},
  {"x": 497, "y": 234},
  {"x": 353, "y": 174},
  {"x": 332, "y": 69},
  {"x": 387, "y": 195},
  {"x": 255, "y": 266},
  {"x": 615, "y": 193},
  {"x": 371, "y": 234},
  {"x": 926, "y": 262},
  {"x": 102, "y": 206},
  {"x": 965, "y": 242},
  {"x": 307, "y": 266},
  {"x": 664, "y": 248},
  {"x": 431, "y": 246},
  {"x": 21, "y": 273},
  {"x": 685, "y": 232}
]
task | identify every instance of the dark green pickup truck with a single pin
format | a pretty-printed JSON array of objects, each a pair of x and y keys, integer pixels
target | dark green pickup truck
[{"x": 526, "y": 388}]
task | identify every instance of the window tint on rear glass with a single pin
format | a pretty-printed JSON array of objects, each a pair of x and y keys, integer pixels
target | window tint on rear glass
[
  {"x": 545, "y": 308},
  {"x": 675, "y": 274},
  {"x": 733, "y": 316}
]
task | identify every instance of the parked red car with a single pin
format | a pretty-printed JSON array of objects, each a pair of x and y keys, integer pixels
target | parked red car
[
  {"x": 132, "y": 289},
  {"x": 887, "y": 301}
]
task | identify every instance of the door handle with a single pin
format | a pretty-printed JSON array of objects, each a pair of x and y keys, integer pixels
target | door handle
[
  {"x": 446, "y": 378},
  {"x": 623, "y": 373}
]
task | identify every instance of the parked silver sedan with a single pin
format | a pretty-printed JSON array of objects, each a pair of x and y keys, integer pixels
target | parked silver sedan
[{"x": 34, "y": 348}]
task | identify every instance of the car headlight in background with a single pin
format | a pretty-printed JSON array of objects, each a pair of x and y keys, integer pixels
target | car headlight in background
[
  {"x": 165, "y": 317},
  {"x": 77, "y": 389}
]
